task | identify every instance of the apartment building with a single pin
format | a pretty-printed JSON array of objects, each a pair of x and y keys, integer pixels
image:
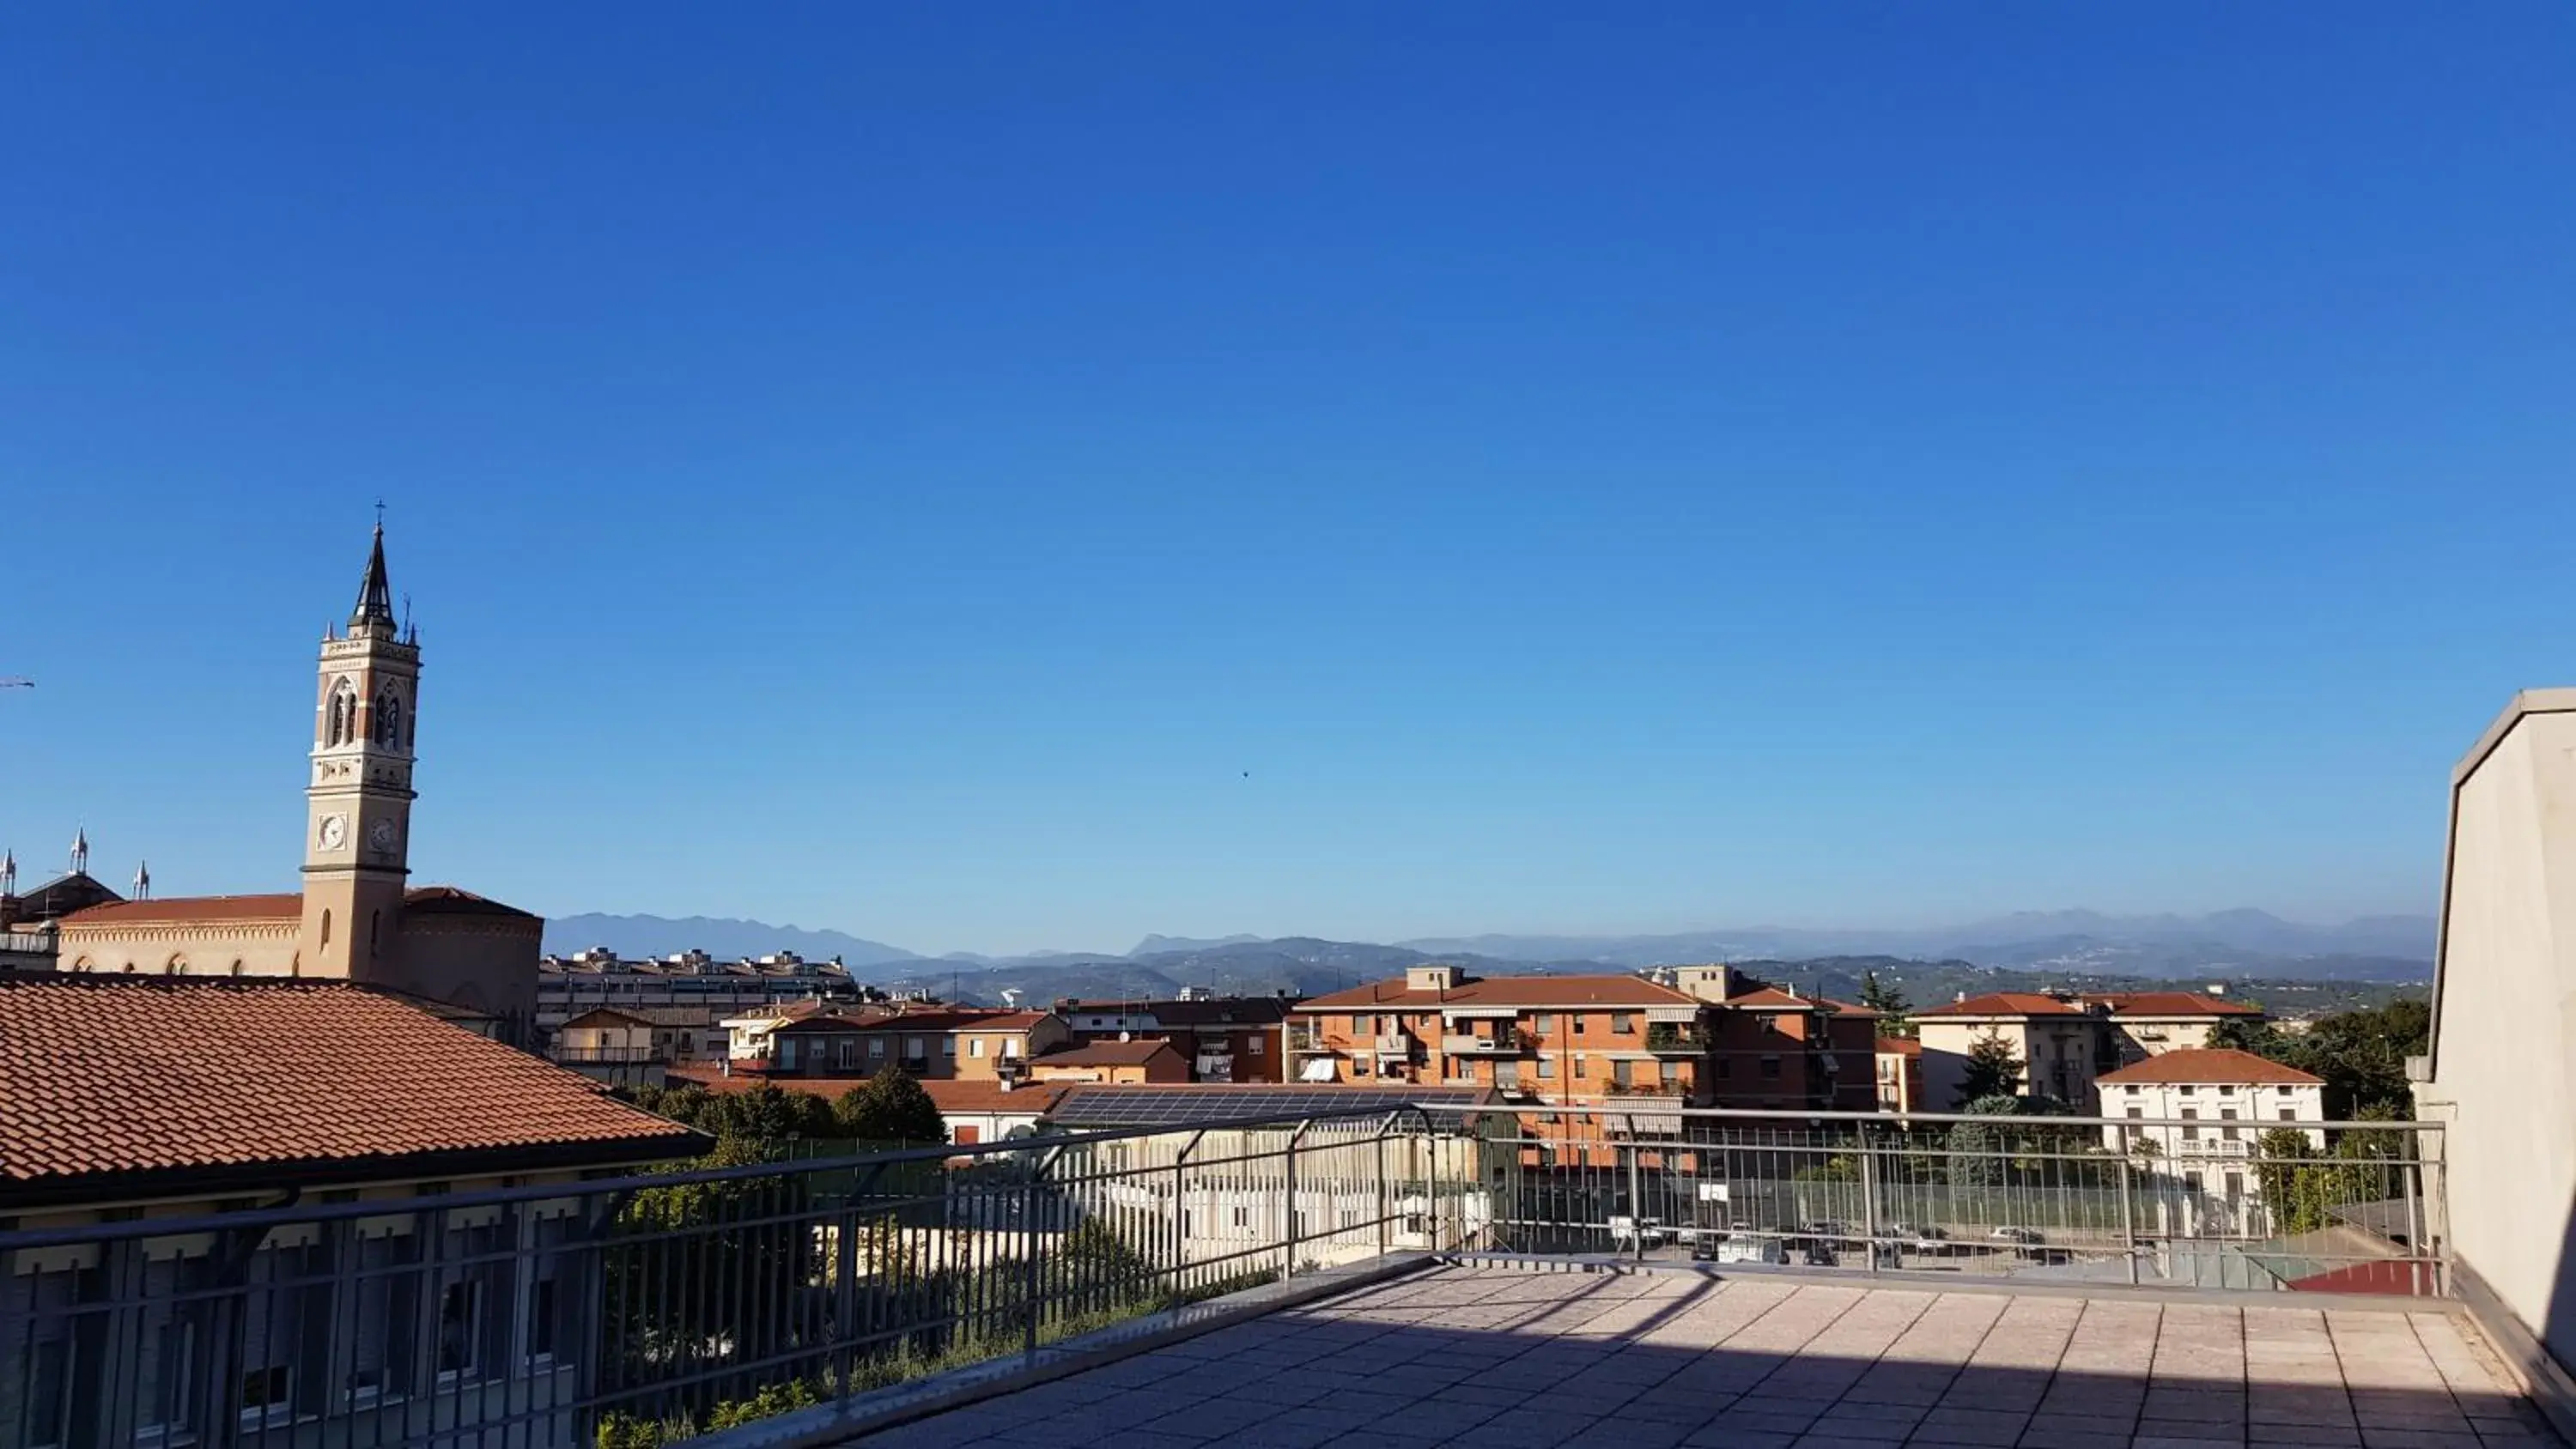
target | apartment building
[
  {"x": 1900, "y": 1074},
  {"x": 1540, "y": 1037},
  {"x": 959, "y": 1043},
  {"x": 1128, "y": 1063},
  {"x": 2061, "y": 1045},
  {"x": 1771, "y": 1047},
  {"x": 2218, "y": 1104},
  {"x": 2150, "y": 1023},
  {"x": 1221, "y": 1038}
]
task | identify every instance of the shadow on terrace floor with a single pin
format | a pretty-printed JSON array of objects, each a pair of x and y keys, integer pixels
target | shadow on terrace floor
[{"x": 1505, "y": 1359}]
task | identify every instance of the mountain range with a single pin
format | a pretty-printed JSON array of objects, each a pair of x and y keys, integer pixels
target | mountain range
[{"x": 2031, "y": 947}]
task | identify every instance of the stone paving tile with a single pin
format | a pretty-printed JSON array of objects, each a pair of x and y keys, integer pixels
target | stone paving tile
[{"x": 1489, "y": 1359}]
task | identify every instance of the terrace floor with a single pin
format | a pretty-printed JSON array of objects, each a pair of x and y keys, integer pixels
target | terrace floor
[{"x": 1499, "y": 1358}]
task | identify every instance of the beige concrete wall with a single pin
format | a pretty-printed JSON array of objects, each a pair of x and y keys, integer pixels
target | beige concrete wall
[
  {"x": 2505, "y": 1027},
  {"x": 183, "y": 948}
]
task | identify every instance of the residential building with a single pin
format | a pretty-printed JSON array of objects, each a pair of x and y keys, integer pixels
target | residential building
[
  {"x": 2217, "y": 1105},
  {"x": 2061, "y": 1045},
  {"x": 633, "y": 1045},
  {"x": 1771, "y": 1047},
  {"x": 132, "y": 1097},
  {"x": 1129, "y": 1063},
  {"x": 1542, "y": 1037},
  {"x": 2148, "y": 1023},
  {"x": 1900, "y": 1074},
  {"x": 932, "y": 1042},
  {"x": 976, "y": 1110},
  {"x": 356, "y": 918},
  {"x": 1221, "y": 1038}
]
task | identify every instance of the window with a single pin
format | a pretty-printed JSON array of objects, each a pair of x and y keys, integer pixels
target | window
[
  {"x": 1361, "y": 1026},
  {"x": 1543, "y": 1023},
  {"x": 1579, "y": 1067},
  {"x": 1010, "y": 1046},
  {"x": 2280, "y": 1091},
  {"x": 2227, "y": 1114},
  {"x": 1359, "y": 1066},
  {"x": 2190, "y": 1133},
  {"x": 1577, "y": 1019},
  {"x": 2136, "y": 1113},
  {"x": 375, "y": 931},
  {"x": 1547, "y": 1069},
  {"x": 1619, "y": 1073},
  {"x": 1252, "y": 1046},
  {"x": 2289, "y": 1114},
  {"x": 915, "y": 1048},
  {"x": 1672, "y": 1073},
  {"x": 948, "y": 1046},
  {"x": 542, "y": 1303},
  {"x": 2188, "y": 1091},
  {"x": 974, "y": 1046},
  {"x": 1770, "y": 1066},
  {"x": 326, "y": 930},
  {"x": 341, "y": 726},
  {"x": 1242, "y": 1217},
  {"x": 1622, "y": 1022},
  {"x": 460, "y": 1331},
  {"x": 388, "y": 719},
  {"x": 876, "y": 1047}
]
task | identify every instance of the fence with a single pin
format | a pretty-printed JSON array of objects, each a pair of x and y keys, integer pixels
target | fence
[
  {"x": 624, "y": 1314},
  {"x": 2325, "y": 1206}
]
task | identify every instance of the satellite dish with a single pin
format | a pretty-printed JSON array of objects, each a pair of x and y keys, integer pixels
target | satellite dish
[{"x": 1011, "y": 997}]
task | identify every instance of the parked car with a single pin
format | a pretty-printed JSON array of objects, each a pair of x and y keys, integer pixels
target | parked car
[
  {"x": 2025, "y": 1242},
  {"x": 1736, "y": 1245}
]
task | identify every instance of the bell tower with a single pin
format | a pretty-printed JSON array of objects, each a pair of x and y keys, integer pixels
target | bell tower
[{"x": 357, "y": 837}]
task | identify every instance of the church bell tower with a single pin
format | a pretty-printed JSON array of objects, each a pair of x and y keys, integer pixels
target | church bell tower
[{"x": 357, "y": 838}]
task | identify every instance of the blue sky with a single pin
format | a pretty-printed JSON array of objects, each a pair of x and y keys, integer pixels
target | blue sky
[{"x": 1633, "y": 469}]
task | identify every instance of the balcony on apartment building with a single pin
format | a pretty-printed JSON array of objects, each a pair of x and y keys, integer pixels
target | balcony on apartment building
[
  {"x": 1388, "y": 1270},
  {"x": 1505, "y": 1041},
  {"x": 1674, "y": 1038}
]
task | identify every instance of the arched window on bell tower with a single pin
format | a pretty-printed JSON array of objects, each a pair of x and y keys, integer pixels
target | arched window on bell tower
[
  {"x": 388, "y": 720},
  {"x": 342, "y": 727}
]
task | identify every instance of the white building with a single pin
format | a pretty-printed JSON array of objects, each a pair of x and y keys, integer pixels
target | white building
[{"x": 2211, "y": 1107}]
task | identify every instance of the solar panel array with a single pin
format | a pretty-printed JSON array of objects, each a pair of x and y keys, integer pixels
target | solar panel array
[{"x": 1201, "y": 1106}]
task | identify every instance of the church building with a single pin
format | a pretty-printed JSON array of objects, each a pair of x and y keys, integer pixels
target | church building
[{"x": 358, "y": 917}]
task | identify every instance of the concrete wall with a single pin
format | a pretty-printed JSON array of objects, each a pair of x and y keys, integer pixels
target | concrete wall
[{"x": 2504, "y": 1045}]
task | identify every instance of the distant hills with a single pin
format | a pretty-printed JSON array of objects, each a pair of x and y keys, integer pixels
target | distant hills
[{"x": 2024, "y": 949}]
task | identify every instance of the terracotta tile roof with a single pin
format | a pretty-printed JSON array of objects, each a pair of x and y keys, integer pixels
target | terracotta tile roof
[
  {"x": 1105, "y": 1054},
  {"x": 2209, "y": 1064},
  {"x": 2171, "y": 1003},
  {"x": 448, "y": 900},
  {"x": 1899, "y": 1046},
  {"x": 1773, "y": 998},
  {"x": 2005, "y": 1003},
  {"x": 664, "y": 1016},
  {"x": 155, "y": 1083},
  {"x": 283, "y": 907},
  {"x": 1535, "y": 993}
]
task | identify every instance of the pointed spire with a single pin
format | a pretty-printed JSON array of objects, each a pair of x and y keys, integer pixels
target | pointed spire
[
  {"x": 80, "y": 851},
  {"x": 8, "y": 872},
  {"x": 143, "y": 880},
  {"x": 375, "y": 596}
]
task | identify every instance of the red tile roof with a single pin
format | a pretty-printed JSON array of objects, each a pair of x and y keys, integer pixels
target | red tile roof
[
  {"x": 2170, "y": 1003},
  {"x": 279, "y": 906},
  {"x": 159, "y": 1083},
  {"x": 283, "y": 907},
  {"x": 2005, "y": 1003},
  {"x": 2208, "y": 1064},
  {"x": 963, "y": 1018},
  {"x": 1899, "y": 1046},
  {"x": 1534, "y": 993}
]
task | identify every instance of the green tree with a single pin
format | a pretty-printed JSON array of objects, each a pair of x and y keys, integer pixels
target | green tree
[
  {"x": 1993, "y": 1071},
  {"x": 892, "y": 1107},
  {"x": 1890, "y": 1004},
  {"x": 2360, "y": 1054}
]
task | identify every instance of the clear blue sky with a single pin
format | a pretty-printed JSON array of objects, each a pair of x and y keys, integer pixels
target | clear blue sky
[{"x": 1627, "y": 468}]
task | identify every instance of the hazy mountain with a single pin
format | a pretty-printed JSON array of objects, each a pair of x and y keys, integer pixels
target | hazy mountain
[
  {"x": 2240, "y": 941},
  {"x": 724, "y": 938},
  {"x": 1159, "y": 945}
]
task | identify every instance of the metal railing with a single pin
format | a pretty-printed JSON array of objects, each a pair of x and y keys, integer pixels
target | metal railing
[
  {"x": 606, "y": 1055},
  {"x": 2350, "y": 1206},
  {"x": 624, "y": 1314}
]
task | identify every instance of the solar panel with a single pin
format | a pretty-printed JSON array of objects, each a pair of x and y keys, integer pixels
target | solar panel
[{"x": 1116, "y": 1106}]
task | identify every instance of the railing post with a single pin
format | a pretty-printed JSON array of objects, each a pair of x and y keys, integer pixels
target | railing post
[
  {"x": 1031, "y": 1281},
  {"x": 2128, "y": 1224},
  {"x": 1383, "y": 1245},
  {"x": 1636, "y": 1197},
  {"x": 1869, "y": 1214},
  {"x": 1288, "y": 1242}
]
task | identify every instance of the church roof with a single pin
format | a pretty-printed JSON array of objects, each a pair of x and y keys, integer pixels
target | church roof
[
  {"x": 453, "y": 901},
  {"x": 375, "y": 593},
  {"x": 146, "y": 1085},
  {"x": 285, "y": 906}
]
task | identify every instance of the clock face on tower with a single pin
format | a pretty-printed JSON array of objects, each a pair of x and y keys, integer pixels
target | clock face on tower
[
  {"x": 381, "y": 835},
  {"x": 335, "y": 831}
]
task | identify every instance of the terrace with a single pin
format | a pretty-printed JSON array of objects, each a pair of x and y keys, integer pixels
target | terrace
[{"x": 1489, "y": 1276}]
